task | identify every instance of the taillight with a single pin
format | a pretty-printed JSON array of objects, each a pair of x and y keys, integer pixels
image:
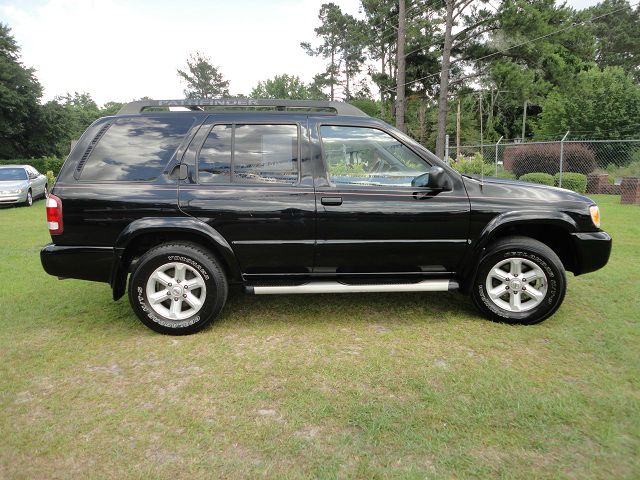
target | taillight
[{"x": 54, "y": 214}]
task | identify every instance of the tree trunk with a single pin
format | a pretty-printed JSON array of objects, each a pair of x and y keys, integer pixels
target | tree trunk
[
  {"x": 332, "y": 80},
  {"x": 381, "y": 87},
  {"x": 444, "y": 81},
  {"x": 401, "y": 73}
]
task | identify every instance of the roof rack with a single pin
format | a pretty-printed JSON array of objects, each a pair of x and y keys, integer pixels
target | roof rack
[{"x": 340, "y": 108}]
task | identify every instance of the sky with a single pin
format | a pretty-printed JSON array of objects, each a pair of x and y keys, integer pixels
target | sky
[{"x": 118, "y": 50}]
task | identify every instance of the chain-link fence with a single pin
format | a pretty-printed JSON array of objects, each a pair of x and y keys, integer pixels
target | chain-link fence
[{"x": 559, "y": 160}]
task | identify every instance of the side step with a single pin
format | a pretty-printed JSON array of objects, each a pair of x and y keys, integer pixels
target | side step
[{"x": 337, "y": 287}]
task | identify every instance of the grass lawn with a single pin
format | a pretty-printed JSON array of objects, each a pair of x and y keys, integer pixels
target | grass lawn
[{"x": 343, "y": 386}]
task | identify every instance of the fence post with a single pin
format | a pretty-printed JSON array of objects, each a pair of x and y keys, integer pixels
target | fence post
[
  {"x": 446, "y": 149},
  {"x": 497, "y": 144},
  {"x": 562, "y": 158}
]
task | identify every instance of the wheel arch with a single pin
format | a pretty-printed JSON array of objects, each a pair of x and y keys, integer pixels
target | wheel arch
[
  {"x": 142, "y": 234},
  {"x": 552, "y": 228}
]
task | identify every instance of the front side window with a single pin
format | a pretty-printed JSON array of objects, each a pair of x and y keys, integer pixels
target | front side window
[
  {"x": 250, "y": 154},
  {"x": 137, "y": 148},
  {"x": 367, "y": 156}
]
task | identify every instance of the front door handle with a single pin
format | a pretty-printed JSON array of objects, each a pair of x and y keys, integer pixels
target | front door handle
[{"x": 331, "y": 201}]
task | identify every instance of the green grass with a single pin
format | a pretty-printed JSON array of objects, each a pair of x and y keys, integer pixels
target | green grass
[{"x": 342, "y": 386}]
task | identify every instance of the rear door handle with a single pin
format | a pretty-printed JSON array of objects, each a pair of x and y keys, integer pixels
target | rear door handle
[{"x": 331, "y": 201}]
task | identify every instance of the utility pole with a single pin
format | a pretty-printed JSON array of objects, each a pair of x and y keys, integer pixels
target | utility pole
[
  {"x": 458, "y": 133},
  {"x": 524, "y": 119},
  {"x": 401, "y": 76}
]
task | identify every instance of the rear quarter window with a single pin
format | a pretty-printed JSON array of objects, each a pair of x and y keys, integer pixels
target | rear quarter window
[{"x": 136, "y": 149}]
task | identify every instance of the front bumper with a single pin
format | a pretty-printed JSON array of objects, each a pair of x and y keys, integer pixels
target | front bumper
[
  {"x": 84, "y": 263},
  {"x": 592, "y": 251}
]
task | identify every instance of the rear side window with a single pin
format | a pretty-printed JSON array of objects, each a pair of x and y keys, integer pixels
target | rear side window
[
  {"x": 250, "y": 154},
  {"x": 136, "y": 149}
]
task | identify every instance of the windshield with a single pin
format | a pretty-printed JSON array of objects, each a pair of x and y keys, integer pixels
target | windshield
[{"x": 13, "y": 174}]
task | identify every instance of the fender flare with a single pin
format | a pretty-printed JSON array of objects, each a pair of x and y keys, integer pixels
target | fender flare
[
  {"x": 503, "y": 221},
  {"x": 143, "y": 226}
]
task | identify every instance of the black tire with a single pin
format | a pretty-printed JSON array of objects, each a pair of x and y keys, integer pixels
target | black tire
[
  {"x": 528, "y": 249},
  {"x": 29, "y": 201},
  {"x": 45, "y": 195},
  {"x": 194, "y": 257}
]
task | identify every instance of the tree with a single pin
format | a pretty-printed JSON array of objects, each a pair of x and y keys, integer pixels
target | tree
[
  {"x": 282, "y": 86},
  {"x": 20, "y": 92},
  {"x": 475, "y": 22},
  {"x": 617, "y": 41},
  {"x": 402, "y": 62},
  {"x": 330, "y": 32},
  {"x": 600, "y": 102},
  {"x": 203, "y": 79}
]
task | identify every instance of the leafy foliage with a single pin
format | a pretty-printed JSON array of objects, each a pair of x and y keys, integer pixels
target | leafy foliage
[
  {"x": 538, "y": 177},
  {"x": 283, "y": 86},
  {"x": 474, "y": 165},
  {"x": 43, "y": 164},
  {"x": 544, "y": 157},
  {"x": 202, "y": 78},
  {"x": 572, "y": 181}
]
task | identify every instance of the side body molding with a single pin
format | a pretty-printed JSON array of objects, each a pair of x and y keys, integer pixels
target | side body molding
[{"x": 208, "y": 236}]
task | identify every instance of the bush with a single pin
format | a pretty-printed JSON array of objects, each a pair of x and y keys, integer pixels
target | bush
[
  {"x": 43, "y": 164},
  {"x": 538, "y": 177},
  {"x": 50, "y": 179},
  {"x": 631, "y": 170},
  {"x": 545, "y": 158},
  {"x": 474, "y": 165},
  {"x": 572, "y": 181},
  {"x": 506, "y": 174}
]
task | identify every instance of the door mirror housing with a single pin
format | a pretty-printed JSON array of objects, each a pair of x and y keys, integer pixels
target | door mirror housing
[
  {"x": 180, "y": 172},
  {"x": 435, "y": 179}
]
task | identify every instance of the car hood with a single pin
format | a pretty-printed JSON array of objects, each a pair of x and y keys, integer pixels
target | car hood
[
  {"x": 517, "y": 190},
  {"x": 12, "y": 184}
]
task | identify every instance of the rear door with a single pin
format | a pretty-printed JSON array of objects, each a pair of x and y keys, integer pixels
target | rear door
[
  {"x": 370, "y": 219},
  {"x": 250, "y": 179}
]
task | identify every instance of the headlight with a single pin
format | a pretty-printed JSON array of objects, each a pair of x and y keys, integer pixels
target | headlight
[{"x": 595, "y": 215}]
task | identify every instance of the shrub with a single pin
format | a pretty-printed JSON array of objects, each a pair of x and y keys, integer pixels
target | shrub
[
  {"x": 572, "y": 181},
  {"x": 474, "y": 165},
  {"x": 43, "y": 164},
  {"x": 50, "y": 179},
  {"x": 538, "y": 177},
  {"x": 506, "y": 174},
  {"x": 545, "y": 158}
]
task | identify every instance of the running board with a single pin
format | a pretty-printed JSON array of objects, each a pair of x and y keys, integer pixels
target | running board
[{"x": 337, "y": 287}]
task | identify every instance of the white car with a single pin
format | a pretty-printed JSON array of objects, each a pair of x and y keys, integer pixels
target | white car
[{"x": 21, "y": 184}]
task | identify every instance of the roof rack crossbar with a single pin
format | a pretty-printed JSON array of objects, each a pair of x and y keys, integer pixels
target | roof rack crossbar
[{"x": 341, "y": 108}]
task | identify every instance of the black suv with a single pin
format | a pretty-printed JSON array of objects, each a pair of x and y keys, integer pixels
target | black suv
[{"x": 286, "y": 197}]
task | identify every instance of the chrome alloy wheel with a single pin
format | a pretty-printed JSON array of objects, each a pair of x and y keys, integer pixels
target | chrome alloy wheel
[
  {"x": 176, "y": 290},
  {"x": 516, "y": 284}
]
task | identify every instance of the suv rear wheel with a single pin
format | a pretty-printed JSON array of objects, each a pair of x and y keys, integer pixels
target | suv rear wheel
[
  {"x": 177, "y": 288},
  {"x": 519, "y": 280}
]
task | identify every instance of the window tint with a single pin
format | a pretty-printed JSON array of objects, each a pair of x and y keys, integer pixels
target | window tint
[
  {"x": 367, "y": 156},
  {"x": 265, "y": 154},
  {"x": 215, "y": 156},
  {"x": 136, "y": 149},
  {"x": 261, "y": 154}
]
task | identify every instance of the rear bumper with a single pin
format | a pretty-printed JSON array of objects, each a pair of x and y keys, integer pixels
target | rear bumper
[
  {"x": 84, "y": 263},
  {"x": 592, "y": 251}
]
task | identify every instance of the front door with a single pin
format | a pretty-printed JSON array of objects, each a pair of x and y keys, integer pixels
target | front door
[
  {"x": 250, "y": 179},
  {"x": 371, "y": 220}
]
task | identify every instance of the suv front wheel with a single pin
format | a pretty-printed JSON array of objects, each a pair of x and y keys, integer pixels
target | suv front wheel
[
  {"x": 519, "y": 280},
  {"x": 177, "y": 288}
]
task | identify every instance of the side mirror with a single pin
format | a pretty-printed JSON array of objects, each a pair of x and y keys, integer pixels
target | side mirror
[{"x": 435, "y": 179}]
